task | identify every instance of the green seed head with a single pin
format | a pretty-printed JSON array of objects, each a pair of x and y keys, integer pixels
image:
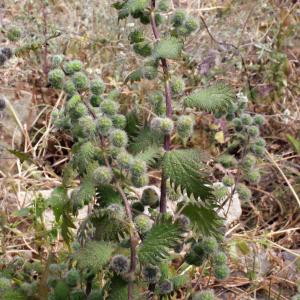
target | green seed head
[
  {"x": 253, "y": 131},
  {"x": 244, "y": 193},
  {"x": 151, "y": 273},
  {"x": 149, "y": 197},
  {"x": 210, "y": 245},
  {"x": 80, "y": 81},
  {"x": 70, "y": 88},
  {"x": 95, "y": 100},
  {"x": 102, "y": 175},
  {"x": 109, "y": 107},
  {"x": 191, "y": 24},
  {"x": 14, "y": 34},
  {"x": 120, "y": 264},
  {"x": 138, "y": 167},
  {"x": 57, "y": 60},
  {"x": 119, "y": 121},
  {"x": 253, "y": 176},
  {"x": 259, "y": 120},
  {"x": 227, "y": 161},
  {"x": 136, "y": 36},
  {"x": 104, "y": 125},
  {"x": 178, "y": 18},
  {"x": 87, "y": 124},
  {"x": 119, "y": 138},
  {"x": 5, "y": 284},
  {"x": 257, "y": 150},
  {"x": 140, "y": 181},
  {"x": 73, "y": 66},
  {"x": 237, "y": 123},
  {"x": 97, "y": 86},
  {"x": 177, "y": 85},
  {"x": 166, "y": 287},
  {"x": 166, "y": 125},
  {"x": 143, "y": 223},
  {"x": 219, "y": 258},
  {"x": 143, "y": 48},
  {"x": 56, "y": 78},
  {"x": 249, "y": 162},
  {"x": 221, "y": 272},
  {"x": 164, "y": 5},
  {"x": 116, "y": 210},
  {"x": 78, "y": 295},
  {"x": 228, "y": 180},
  {"x": 260, "y": 142},
  {"x": 246, "y": 119},
  {"x": 72, "y": 278},
  {"x": 204, "y": 295},
  {"x": 124, "y": 160},
  {"x": 185, "y": 125}
]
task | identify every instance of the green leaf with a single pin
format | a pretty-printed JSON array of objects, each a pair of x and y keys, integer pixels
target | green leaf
[
  {"x": 294, "y": 142},
  {"x": 210, "y": 99},
  {"x": 158, "y": 241},
  {"x": 118, "y": 289},
  {"x": 57, "y": 201},
  {"x": 107, "y": 195},
  {"x": 149, "y": 155},
  {"x": 203, "y": 219},
  {"x": 168, "y": 48},
  {"x": 144, "y": 140},
  {"x": 67, "y": 224},
  {"x": 182, "y": 167},
  {"x": 22, "y": 156},
  {"x": 94, "y": 255}
]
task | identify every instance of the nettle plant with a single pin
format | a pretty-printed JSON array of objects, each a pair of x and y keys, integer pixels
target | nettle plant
[{"x": 126, "y": 245}]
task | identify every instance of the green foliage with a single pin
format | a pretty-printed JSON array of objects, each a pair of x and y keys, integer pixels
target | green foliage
[
  {"x": 221, "y": 272},
  {"x": 169, "y": 48},
  {"x": 95, "y": 255},
  {"x": 61, "y": 291},
  {"x": 203, "y": 219},
  {"x": 118, "y": 289},
  {"x": 97, "y": 86},
  {"x": 14, "y": 33},
  {"x": 182, "y": 167},
  {"x": 210, "y": 99},
  {"x": 204, "y": 295},
  {"x": 158, "y": 241},
  {"x": 80, "y": 81},
  {"x": 56, "y": 78},
  {"x": 72, "y": 67},
  {"x": 136, "y": 5}
]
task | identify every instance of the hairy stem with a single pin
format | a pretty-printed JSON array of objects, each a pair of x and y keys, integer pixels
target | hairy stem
[
  {"x": 169, "y": 109},
  {"x": 134, "y": 238}
]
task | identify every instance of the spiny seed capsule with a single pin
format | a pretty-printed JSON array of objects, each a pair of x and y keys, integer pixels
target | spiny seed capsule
[
  {"x": 259, "y": 120},
  {"x": 78, "y": 295},
  {"x": 227, "y": 161},
  {"x": 149, "y": 197},
  {"x": 116, "y": 210},
  {"x": 244, "y": 192},
  {"x": 119, "y": 121},
  {"x": 54, "y": 269},
  {"x": 246, "y": 119},
  {"x": 219, "y": 258},
  {"x": 7, "y": 52},
  {"x": 221, "y": 272},
  {"x": 57, "y": 60},
  {"x": 164, "y": 5},
  {"x": 95, "y": 100},
  {"x": 137, "y": 207},
  {"x": 109, "y": 107},
  {"x": 72, "y": 278},
  {"x": 151, "y": 273},
  {"x": 260, "y": 142},
  {"x": 143, "y": 49},
  {"x": 14, "y": 33},
  {"x": 136, "y": 36},
  {"x": 191, "y": 24},
  {"x": 177, "y": 85},
  {"x": 120, "y": 264},
  {"x": 237, "y": 123},
  {"x": 178, "y": 18},
  {"x": 70, "y": 88},
  {"x": 115, "y": 151},
  {"x": 143, "y": 223},
  {"x": 104, "y": 125},
  {"x": 253, "y": 176},
  {"x": 204, "y": 295},
  {"x": 78, "y": 111},
  {"x": 209, "y": 245},
  {"x": 119, "y": 138},
  {"x": 140, "y": 181},
  {"x": 257, "y": 150},
  {"x": 97, "y": 86},
  {"x": 248, "y": 161},
  {"x": 228, "y": 180},
  {"x": 253, "y": 131},
  {"x": 73, "y": 102},
  {"x": 185, "y": 126},
  {"x": 5, "y": 284},
  {"x": 166, "y": 287},
  {"x": 166, "y": 125},
  {"x": 80, "y": 81},
  {"x": 56, "y": 78},
  {"x": 102, "y": 175},
  {"x": 87, "y": 124},
  {"x": 73, "y": 66},
  {"x": 138, "y": 167},
  {"x": 124, "y": 160}
]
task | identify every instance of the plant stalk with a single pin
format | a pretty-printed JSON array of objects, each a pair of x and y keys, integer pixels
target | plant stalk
[{"x": 169, "y": 109}]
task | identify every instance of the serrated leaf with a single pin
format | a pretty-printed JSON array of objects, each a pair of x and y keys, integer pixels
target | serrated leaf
[
  {"x": 57, "y": 201},
  {"x": 169, "y": 48},
  {"x": 182, "y": 167},
  {"x": 94, "y": 255},
  {"x": 210, "y": 99},
  {"x": 203, "y": 219},
  {"x": 149, "y": 155},
  {"x": 22, "y": 156},
  {"x": 158, "y": 241}
]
